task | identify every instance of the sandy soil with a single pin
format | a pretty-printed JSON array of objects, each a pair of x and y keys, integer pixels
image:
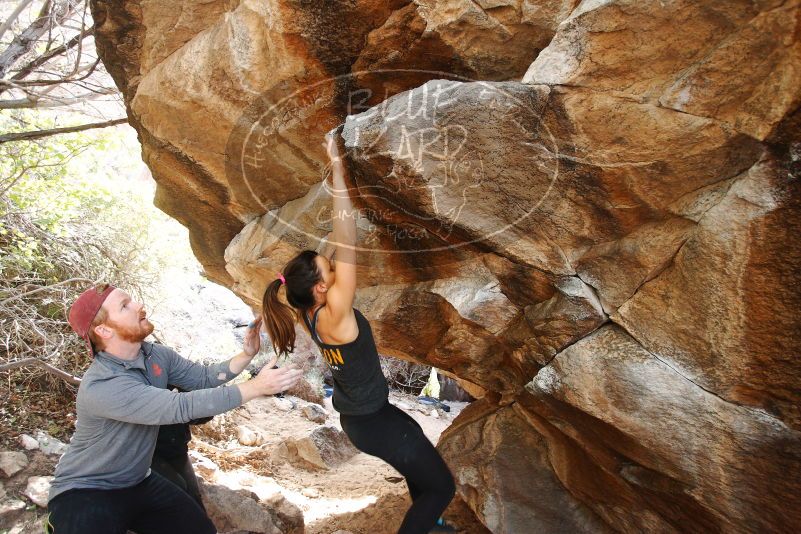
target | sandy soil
[{"x": 362, "y": 495}]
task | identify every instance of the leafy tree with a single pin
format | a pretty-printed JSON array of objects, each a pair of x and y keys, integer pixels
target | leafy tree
[{"x": 72, "y": 212}]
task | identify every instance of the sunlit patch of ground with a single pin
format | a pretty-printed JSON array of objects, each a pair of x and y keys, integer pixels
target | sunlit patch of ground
[{"x": 362, "y": 495}]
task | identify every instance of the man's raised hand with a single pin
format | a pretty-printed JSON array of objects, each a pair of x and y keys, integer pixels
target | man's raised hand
[
  {"x": 252, "y": 342},
  {"x": 270, "y": 381}
]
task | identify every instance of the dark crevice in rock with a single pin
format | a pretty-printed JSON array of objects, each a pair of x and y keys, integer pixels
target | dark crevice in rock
[
  {"x": 688, "y": 379},
  {"x": 606, "y": 321},
  {"x": 661, "y": 268},
  {"x": 668, "y": 263},
  {"x": 639, "y": 99},
  {"x": 655, "y": 275},
  {"x": 723, "y": 124},
  {"x": 731, "y": 179},
  {"x": 595, "y": 293},
  {"x": 616, "y": 93}
]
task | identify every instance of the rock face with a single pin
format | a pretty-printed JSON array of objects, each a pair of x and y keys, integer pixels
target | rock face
[
  {"x": 589, "y": 212},
  {"x": 494, "y": 447},
  {"x": 706, "y": 466}
]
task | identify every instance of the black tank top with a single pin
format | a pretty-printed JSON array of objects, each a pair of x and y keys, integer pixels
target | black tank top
[{"x": 359, "y": 384}]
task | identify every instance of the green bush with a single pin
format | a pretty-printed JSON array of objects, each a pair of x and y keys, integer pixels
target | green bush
[{"x": 68, "y": 217}]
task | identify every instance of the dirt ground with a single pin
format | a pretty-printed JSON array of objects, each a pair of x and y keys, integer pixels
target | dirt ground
[
  {"x": 31, "y": 519},
  {"x": 361, "y": 495}
]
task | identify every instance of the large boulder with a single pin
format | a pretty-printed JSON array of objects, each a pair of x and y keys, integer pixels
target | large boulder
[
  {"x": 489, "y": 448},
  {"x": 588, "y": 212},
  {"x": 684, "y": 455},
  {"x": 236, "y": 510}
]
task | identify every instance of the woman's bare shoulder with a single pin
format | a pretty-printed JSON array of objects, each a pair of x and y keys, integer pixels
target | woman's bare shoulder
[{"x": 344, "y": 330}]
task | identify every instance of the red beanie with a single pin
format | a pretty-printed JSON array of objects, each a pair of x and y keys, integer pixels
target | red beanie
[{"x": 84, "y": 310}]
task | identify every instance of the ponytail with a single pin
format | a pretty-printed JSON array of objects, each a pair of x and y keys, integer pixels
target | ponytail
[
  {"x": 279, "y": 320},
  {"x": 300, "y": 275}
]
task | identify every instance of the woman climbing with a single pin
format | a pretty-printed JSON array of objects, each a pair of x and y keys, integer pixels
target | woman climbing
[{"x": 321, "y": 292}]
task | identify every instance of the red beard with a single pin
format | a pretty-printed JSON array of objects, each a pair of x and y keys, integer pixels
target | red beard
[{"x": 132, "y": 335}]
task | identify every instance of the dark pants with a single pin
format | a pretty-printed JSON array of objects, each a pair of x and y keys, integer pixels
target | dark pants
[
  {"x": 154, "y": 506},
  {"x": 396, "y": 438},
  {"x": 178, "y": 470}
]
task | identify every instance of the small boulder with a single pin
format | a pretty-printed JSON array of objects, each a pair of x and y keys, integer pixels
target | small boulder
[
  {"x": 29, "y": 442},
  {"x": 241, "y": 510},
  {"x": 311, "y": 493},
  {"x": 283, "y": 404},
  {"x": 325, "y": 447},
  {"x": 48, "y": 444},
  {"x": 12, "y": 462},
  {"x": 315, "y": 413},
  {"x": 10, "y": 509},
  {"x": 247, "y": 436},
  {"x": 38, "y": 489}
]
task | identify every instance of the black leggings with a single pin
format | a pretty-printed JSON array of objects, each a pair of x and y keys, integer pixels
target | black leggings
[
  {"x": 178, "y": 470},
  {"x": 154, "y": 506},
  {"x": 396, "y": 438}
]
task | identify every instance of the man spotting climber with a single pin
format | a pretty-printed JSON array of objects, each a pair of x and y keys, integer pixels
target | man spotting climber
[{"x": 103, "y": 483}]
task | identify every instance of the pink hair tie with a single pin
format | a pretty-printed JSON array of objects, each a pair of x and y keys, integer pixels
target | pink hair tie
[{"x": 281, "y": 277}]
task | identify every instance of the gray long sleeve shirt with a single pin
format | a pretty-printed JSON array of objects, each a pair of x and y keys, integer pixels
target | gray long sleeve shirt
[{"x": 122, "y": 403}]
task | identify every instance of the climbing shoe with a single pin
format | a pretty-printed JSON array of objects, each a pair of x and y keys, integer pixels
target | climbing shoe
[{"x": 443, "y": 526}]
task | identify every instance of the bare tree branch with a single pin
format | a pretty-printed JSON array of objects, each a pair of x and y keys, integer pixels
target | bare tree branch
[
  {"x": 23, "y": 43},
  {"x": 45, "y": 288},
  {"x": 59, "y": 70},
  {"x": 77, "y": 64},
  {"x": 44, "y": 58},
  {"x": 35, "y": 101},
  {"x": 19, "y": 9},
  {"x": 74, "y": 380},
  {"x": 38, "y": 134},
  {"x": 27, "y": 83}
]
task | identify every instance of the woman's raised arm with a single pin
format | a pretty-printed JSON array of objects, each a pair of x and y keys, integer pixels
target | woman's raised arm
[{"x": 342, "y": 292}]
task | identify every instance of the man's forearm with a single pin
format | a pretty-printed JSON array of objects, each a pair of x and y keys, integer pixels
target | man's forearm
[{"x": 249, "y": 391}]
